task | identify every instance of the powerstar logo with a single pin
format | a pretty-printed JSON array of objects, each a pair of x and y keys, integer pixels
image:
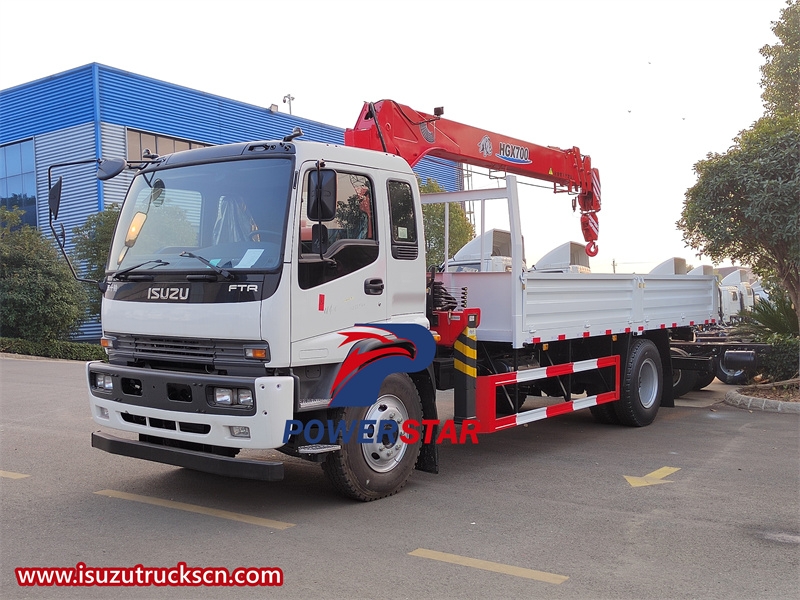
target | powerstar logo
[{"x": 377, "y": 353}]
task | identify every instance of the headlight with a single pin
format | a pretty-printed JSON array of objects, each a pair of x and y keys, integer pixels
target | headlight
[
  {"x": 233, "y": 397},
  {"x": 223, "y": 396},
  {"x": 103, "y": 382},
  {"x": 245, "y": 397}
]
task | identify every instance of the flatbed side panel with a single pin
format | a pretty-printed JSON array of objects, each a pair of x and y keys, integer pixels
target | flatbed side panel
[
  {"x": 570, "y": 306},
  {"x": 561, "y": 306},
  {"x": 675, "y": 300}
]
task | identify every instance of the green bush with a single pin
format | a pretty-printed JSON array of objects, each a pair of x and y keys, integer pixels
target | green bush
[
  {"x": 781, "y": 362},
  {"x": 53, "y": 349},
  {"x": 40, "y": 299},
  {"x": 774, "y": 322}
]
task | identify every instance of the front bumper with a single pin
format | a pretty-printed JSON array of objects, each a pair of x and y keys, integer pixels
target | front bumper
[
  {"x": 150, "y": 412},
  {"x": 191, "y": 459}
]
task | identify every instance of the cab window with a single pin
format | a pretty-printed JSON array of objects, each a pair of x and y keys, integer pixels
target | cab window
[
  {"x": 345, "y": 244},
  {"x": 403, "y": 220}
]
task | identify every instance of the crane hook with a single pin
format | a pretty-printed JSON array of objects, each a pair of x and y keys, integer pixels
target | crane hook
[{"x": 591, "y": 249}]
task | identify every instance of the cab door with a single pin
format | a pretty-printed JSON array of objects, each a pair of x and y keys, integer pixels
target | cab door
[{"x": 339, "y": 267}]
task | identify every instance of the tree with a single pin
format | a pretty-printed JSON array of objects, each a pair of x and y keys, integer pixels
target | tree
[
  {"x": 744, "y": 206},
  {"x": 40, "y": 299},
  {"x": 780, "y": 75},
  {"x": 351, "y": 217},
  {"x": 92, "y": 241},
  {"x": 461, "y": 230}
]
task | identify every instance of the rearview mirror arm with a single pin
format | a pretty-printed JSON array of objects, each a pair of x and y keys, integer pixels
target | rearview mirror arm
[{"x": 61, "y": 237}]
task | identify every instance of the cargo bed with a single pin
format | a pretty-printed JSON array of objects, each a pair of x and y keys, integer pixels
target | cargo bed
[{"x": 544, "y": 307}]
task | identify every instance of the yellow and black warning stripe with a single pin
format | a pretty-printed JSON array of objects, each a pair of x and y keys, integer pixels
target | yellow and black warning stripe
[{"x": 465, "y": 363}]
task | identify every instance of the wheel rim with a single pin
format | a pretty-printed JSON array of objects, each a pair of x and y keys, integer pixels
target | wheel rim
[
  {"x": 731, "y": 372},
  {"x": 381, "y": 453},
  {"x": 648, "y": 383}
]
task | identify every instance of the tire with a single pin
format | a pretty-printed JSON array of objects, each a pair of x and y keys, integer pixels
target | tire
[
  {"x": 504, "y": 406},
  {"x": 704, "y": 380},
  {"x": 602, "y": 413},
  {"x": 605, "y": 413},
  {"x": 378, "y": 469},
  {"x": 642, "y": 383},
  {"x": 729, "y": 376},
  {"x": 683, "y": 381}
]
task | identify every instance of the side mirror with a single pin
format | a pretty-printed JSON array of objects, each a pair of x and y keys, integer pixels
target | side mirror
[
  {"x": 110, "y": 167},
  {"x": 322, "y": 195},
  {"x": 157, "y": 193},
  {"x": 54, "y": 198}
]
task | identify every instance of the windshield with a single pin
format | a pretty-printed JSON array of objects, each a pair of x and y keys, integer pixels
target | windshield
[{"x": 232, "y": 214}]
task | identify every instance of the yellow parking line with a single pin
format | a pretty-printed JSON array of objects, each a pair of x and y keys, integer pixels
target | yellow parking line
[
  {"x": 12, "y": 475},
  {"x": 486, "y": 565},
  {"x": 203, "y": 510}
]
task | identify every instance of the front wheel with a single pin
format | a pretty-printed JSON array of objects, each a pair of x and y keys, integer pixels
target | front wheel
[
  {"x": 641, "y": 386},
  {"x": 381, "y": 466}
]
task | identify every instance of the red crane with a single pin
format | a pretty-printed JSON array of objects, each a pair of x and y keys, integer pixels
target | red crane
[{"x": 391, "y": 127}]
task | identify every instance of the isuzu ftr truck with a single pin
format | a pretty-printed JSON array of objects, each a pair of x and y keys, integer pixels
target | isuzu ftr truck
[{"x": 246, "y": 283}]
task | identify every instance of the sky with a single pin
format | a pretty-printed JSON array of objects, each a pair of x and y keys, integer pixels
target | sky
[{"x": 645, "y": 87}]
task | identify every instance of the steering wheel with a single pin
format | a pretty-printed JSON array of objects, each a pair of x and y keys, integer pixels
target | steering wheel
[{"x": 267, "y": 234}]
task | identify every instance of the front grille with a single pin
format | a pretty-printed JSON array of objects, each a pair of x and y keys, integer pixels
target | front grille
[
  {"x": 215, "y": 353},
  {"x": 154, "y": 423},
  {"x": 135, "y": 419},
  {"x": 168, "y": 348}
]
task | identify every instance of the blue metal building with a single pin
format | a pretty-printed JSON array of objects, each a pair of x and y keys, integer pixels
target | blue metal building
[{"x": 97, "y": 111}]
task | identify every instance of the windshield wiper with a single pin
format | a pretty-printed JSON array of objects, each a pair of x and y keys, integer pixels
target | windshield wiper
[
  {"x": 226, "y": 274},
  {"x": 124, "y": 272}
]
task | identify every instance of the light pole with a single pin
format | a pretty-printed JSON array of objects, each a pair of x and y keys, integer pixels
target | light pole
[{"x": 288, "y": 98}]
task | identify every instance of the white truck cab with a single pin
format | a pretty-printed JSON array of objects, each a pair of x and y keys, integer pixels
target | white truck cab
[{"x": 232, "y": 273}]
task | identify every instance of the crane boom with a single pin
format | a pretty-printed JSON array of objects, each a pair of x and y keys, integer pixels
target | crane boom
[{"x": 391, "y": 127}]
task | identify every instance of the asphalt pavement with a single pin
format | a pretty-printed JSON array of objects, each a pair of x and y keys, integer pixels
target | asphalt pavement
[{"x": 703, "y": 503}]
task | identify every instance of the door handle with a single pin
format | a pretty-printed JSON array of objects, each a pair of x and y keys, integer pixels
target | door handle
[{"x": 373, "y": 286}]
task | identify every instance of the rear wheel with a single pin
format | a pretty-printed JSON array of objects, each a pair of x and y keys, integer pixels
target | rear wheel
[
  {"x": 505, "y": 398},
  {"x": 602, "y": 413},
  {"x": 683, "y": 381},
  {"x": 641, "y": 385},
  {"x": 704, "y": 380},
  {"x": 730, "y": 376},
  {"x": 382, "y": 466}
]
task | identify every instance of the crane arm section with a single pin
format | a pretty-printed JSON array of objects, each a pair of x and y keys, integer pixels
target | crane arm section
[{"x": 391, "y": 127}]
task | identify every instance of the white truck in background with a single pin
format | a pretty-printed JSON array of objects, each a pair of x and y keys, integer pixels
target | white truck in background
[
  {"x": 243, "y": 277},
  {"x": 737, "y": 296}
]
